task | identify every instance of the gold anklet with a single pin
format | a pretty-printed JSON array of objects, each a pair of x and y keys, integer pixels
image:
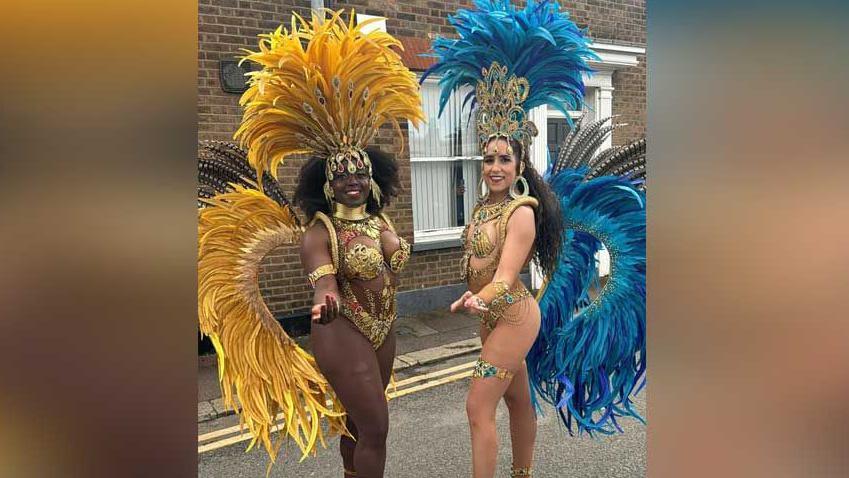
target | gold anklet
[{"x": 520, "y": 471}]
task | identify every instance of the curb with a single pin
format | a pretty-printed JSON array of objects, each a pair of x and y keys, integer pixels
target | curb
[
  {"x": 436, "y": 354},
  {"x": 212, "y": 409}
]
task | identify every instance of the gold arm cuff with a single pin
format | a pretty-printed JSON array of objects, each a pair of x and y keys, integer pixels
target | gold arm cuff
[
  {"x": 320, "y": 272},
  {"x": 504, "y": 297},
  {"x": 493, "y": 291},
  {"x": 400, "y": 257}
]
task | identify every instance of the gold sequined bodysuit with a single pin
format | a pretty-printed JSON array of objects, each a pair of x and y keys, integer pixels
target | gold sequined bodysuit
[
  {"x": 483, "y": 241},
  {"x": 367, "y": 272}
]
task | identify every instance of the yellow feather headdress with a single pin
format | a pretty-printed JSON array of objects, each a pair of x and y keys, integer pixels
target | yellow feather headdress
[{"x": 325, "y": 88}]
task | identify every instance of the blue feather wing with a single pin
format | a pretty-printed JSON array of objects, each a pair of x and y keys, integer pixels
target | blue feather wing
[{"x": 590, "y": 353}]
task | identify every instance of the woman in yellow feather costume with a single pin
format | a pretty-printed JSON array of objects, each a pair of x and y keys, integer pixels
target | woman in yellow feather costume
[{"x": 324, "y": 90}]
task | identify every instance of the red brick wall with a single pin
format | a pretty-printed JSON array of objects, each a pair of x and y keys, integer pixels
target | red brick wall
[
  {"x": 226, "y": 26},
  {"x": 629, "y": 101}
]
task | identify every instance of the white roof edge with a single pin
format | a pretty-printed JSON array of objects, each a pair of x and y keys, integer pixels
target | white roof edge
[
  {"x": 614, "y": 57},
  {"x": 598, "y": 46}
]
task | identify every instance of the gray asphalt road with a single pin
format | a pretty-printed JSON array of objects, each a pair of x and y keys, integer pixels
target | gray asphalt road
[{"x": 429, "y": 437}]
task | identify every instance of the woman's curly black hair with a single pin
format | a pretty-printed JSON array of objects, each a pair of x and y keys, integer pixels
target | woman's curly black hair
[
  {"x": 309, "y": 193},
  {"x": 549, "y": 221}
]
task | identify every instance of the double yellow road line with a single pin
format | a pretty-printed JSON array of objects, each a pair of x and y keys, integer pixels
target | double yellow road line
[{"x": 231, "y": 435}]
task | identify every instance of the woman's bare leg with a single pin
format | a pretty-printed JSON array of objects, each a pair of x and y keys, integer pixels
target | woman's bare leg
[
  {"x": 523, "y": 420},
  {"x": 504, "y": 350},
  {"x": 355, "y": 376}
]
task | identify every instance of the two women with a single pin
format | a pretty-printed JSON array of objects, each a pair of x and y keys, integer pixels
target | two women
[{"x": 314, "y": 96}]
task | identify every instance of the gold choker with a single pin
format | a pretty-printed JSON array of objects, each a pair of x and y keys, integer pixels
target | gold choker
[{"x": 349, "y": 213}]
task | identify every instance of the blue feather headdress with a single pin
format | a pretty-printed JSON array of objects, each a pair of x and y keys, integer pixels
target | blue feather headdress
[
  {"x": 515, "y": 60},
  {"x": 589, "y": 357}
]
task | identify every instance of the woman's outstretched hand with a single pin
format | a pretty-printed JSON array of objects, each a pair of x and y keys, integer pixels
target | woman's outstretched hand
[
  {"x": 469, "y": 302},
  {"x": 327, "y": 312}
]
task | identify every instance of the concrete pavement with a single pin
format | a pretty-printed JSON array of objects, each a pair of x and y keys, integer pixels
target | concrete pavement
[{"x": 429, "y": 437}]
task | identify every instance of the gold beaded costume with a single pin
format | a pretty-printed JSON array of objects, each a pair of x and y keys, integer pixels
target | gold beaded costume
[
  {"x": 366, "y": 270},
  {"x": 483, "y": 241},
  {"x": 324, "y": 88}
]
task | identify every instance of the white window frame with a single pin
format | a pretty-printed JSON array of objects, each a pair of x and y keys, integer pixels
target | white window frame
[{"x": 444, "y": 237}]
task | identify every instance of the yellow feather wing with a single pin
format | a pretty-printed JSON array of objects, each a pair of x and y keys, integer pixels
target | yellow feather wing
[{"x": 266, "y": 369}]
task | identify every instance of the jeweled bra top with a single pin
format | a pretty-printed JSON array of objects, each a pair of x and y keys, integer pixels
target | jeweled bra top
[{"x": 479, "y": 248}]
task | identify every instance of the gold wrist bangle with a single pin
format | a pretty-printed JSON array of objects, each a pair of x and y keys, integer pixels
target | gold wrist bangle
[
  {"x": 492, "y": 291},
  {"x": 320, "y": 272},
  {"x": 399, "y": 258},
  {"x": 505, "y": 299}
]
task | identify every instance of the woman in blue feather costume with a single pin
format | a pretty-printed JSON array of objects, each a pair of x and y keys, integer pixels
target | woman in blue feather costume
[{"x": 584, "y": 356}]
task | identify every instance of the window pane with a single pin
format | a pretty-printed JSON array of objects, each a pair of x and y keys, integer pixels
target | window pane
[
  {"x": 450, "y": 135},
  {"x": 444, "y": 177},
  {"x": 558, "y": 128},
  {"x": 444, "y": 193}
]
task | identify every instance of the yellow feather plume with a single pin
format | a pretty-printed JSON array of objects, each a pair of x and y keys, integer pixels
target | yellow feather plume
[
  {"x": 269, "y": 372},
  {"x": 325, "y": 87}
]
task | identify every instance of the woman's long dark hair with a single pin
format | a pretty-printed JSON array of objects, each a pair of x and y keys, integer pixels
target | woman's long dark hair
[
  {"x": 549, "y": 221},
  {"x": 309, "y": 193}
]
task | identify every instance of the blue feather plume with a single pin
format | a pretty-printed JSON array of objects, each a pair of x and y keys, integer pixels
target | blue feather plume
[
  {"x": 590, "y": 354},
  {"x": 538, "y": 43}
]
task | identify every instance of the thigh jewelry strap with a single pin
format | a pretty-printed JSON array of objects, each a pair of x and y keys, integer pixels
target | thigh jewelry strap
[{"x": 484, "y": 369}]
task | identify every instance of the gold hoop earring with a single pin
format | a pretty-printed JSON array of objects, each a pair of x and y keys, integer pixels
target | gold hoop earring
[
  {"x": 482, "y": 195},
  {"x": 514, "y": 193}
]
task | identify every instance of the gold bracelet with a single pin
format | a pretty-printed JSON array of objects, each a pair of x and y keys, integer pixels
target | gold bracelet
[
  {"x": 493, "y": 291},
  {"x": 505, "y": 299},
  {"x": 320, "y": 272},
  {"x": 399, "y": 258}
]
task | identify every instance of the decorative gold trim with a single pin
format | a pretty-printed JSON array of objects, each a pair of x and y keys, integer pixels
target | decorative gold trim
[
  {"x": 504, "y": 300},
  {"x": 349, "y": 213},
  {"x": 365, "y": 262},
  {"x": 500, "y": 112},
  {"x": 511, "y": 208},
  {"x": 388, "y": 222},
  {"x": 493, "y": 290},
  {"x": 484, "y": 369},
  {"x": 319, "y": 272},
  {"x": 331, "y": 232}
]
